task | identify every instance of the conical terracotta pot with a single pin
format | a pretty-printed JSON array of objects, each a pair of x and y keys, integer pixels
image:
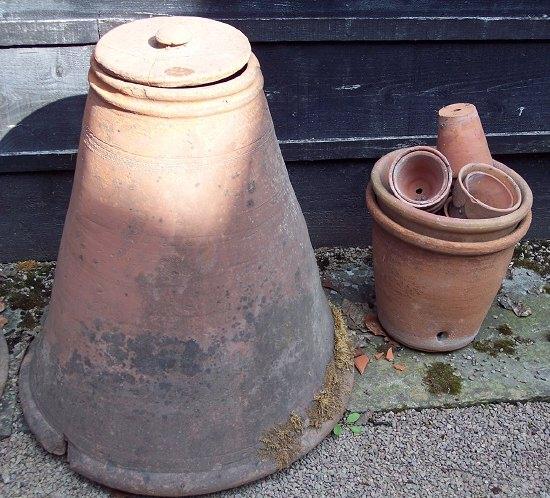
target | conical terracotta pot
[
  {"x": 442, "y": 227},
  {"x": 420, "y": 177},
  {"x": 483, "y": 191},
  {"x": 187, "y": 323},
  {"x": 4, "y": 360},
  {"x": 460, "y": 136},
  {"x": 433, "y": 294}
]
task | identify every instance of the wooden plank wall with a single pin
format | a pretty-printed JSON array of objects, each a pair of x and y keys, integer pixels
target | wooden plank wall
[{"x": 346, "y": 82}]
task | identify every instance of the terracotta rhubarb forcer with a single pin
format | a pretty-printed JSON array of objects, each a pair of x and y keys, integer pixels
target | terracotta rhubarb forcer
[
  {"x": 483, "y": 191},
  {"x": 4, "y": 358},
  {"x": 460, "y": 136},
  {"x": 433, "y": 294},
  {"x": 442, "y": 227},
  {"x": 187, "y": 321},
  {"x": 421, "y": 177}
]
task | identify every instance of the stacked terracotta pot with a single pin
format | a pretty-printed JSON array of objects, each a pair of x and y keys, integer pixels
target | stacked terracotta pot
[{"x": 446, "y": 220}]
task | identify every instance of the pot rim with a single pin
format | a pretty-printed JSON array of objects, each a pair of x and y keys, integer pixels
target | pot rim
[
  {"x": 489, "y": 170},
  {"x": 439, "y": 245},
  {"x": 181, "y": 102},
  {"x": 442, "y": 162},
  {"x": 456, "y": 225}
]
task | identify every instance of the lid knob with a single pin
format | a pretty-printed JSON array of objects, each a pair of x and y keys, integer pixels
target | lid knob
[{"x": 173, "y": 35}]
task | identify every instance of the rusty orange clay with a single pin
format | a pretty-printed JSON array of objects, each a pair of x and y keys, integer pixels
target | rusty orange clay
[
  {"x": 483, "y": 191},
  {"x": 460, "y": 136},
  {"x": 433, "y": 294},
  {"x": 442, "y": 227},
  {"x": 420, "y": 176},
  {"x": 187, "y": 317}
]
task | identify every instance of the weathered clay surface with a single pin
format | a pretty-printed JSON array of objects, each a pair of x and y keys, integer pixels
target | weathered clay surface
[
  {"x": 433, "y": 294},
  {"x": 483, "y": 191},
  {"x": 442, "y": 227},
  {"x": 460, "y": 136},
  {"x": 186, "y": 287},
  {"x": 421, "y": 177}
]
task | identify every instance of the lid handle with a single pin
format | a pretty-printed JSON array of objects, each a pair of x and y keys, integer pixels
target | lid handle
[{"x": 173, "y": 35}]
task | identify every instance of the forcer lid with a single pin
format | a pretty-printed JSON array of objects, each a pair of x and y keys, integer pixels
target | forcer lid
[{"x": 173, "y": 51}]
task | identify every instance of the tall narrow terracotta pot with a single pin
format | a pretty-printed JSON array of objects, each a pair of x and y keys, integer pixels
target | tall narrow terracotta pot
[
  {"x": 460, "y": 136},
  {"x": 433, "y": 294},
  {"x": 442, "y": 227},
  {"x": 4, "y": 359},
  {"x": 187, "y": 324}
]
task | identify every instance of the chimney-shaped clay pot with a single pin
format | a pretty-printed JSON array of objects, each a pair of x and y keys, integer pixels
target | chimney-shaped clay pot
[
  {"x": 460, "y": 136},
  {"x": 188, "y": 336}
]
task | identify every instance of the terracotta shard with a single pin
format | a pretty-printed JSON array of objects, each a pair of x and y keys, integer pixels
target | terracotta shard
[
  {"x": 399, "y": 366},
  {"x": 361, "y": 363},
  {"x": 378, "y": 356},
  {"x": 389, "y": 354},
  {"x": 373, "y": 325}
]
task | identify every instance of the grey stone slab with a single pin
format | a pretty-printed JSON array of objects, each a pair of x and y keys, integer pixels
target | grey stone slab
[{"x": 508, "y": 361}]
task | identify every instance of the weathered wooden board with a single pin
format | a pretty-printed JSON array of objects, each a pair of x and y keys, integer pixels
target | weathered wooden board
[
  {"x": 326, "y": 102},
  {"x": 331, "y": 194},
  {"x": 52, "y": 22}
]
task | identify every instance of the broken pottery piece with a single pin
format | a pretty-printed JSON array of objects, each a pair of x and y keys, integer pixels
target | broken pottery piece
[
  {"x": 420, "y": 177},
  {"x": 433, "y": 294},
  {"x": 460, "y": 136},
  {"x": 186, "y": 286},
  {"x": 442, "y": 227},
  {"x": 361, "y": 363},
  {"x": 482, "y": 191}
]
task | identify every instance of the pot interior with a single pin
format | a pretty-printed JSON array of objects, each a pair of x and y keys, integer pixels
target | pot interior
[
  {"x": 420, "y": 176},
  {"x": 489, "y": 190}
]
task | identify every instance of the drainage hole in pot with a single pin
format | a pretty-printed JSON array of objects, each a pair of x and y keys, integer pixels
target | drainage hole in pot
[
  {"x": 442, "y": 336},
  {"x": 419, "y": 190}
]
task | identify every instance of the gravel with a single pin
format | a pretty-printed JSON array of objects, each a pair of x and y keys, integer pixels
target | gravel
[{"x": 491, "y": 450}]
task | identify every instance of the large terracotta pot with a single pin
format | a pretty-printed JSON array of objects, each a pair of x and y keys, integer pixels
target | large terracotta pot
[
  {"x": 187, "y": 321},
  {"x": 4, "y": 360},
  {"x": 442, "y": 227},
  {"x": 433, "y": 294}
]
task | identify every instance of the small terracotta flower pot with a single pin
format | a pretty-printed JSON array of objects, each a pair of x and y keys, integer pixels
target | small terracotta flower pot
[
  {"x": 483, "y": 191},
  {"x": 421, "y": 177},
  {"x": 433, "y": 294},
  {"x": 441, "y": 227},
  {"x": 460, "y": 136}
]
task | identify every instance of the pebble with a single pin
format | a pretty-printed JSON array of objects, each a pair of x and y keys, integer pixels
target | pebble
[{"x": 434, "y": 452}]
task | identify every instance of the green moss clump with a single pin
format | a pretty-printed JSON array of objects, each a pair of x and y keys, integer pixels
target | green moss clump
[
  {"x": 440, "y": 378},
  {"x": 28, "y": 320},
  {"x": 505, "y": 329},
  {"x": 495, "y": 347},
  {"x": 30, "y": 287}
]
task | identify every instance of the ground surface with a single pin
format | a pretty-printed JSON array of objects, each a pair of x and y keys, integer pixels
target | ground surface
[{"x": 488, "y": 450}]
